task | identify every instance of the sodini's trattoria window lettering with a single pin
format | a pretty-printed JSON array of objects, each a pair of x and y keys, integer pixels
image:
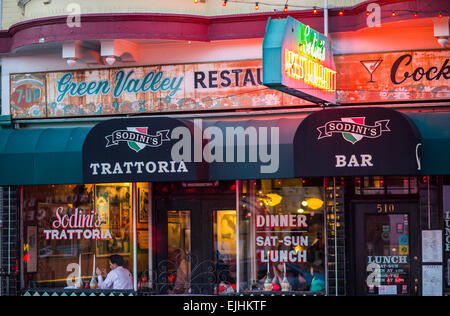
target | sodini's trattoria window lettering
[{"x": 70, "y": 230}]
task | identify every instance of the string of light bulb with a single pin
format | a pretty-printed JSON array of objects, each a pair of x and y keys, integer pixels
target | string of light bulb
[{"x": 341, "y": 11}]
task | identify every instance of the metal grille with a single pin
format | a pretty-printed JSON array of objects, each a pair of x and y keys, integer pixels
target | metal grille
[
  {"x": 9, "y": 281},
  {"x": 429, "y": 206},
  {"x": 334, "y": 196}
]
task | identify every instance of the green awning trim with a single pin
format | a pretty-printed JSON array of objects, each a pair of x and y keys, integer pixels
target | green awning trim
[
  {"x": 435, "y": 130},
  {"x": 42, "y": 156}
]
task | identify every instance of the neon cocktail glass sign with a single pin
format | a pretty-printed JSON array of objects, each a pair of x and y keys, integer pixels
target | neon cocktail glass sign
[{"x": 299, "y": 61}]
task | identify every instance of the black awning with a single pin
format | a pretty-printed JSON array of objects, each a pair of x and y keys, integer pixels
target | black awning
[
  {"x": 332, "y": 142},
  {"x": 255, "y": 149},
  {"x": 167, "y": 149},
  {"x": 140, "y": 150},
  {"x": 357, "y": 142}
]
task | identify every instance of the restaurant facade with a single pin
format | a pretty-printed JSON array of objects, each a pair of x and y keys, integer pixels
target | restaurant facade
[{"x": 283, "y": 164}]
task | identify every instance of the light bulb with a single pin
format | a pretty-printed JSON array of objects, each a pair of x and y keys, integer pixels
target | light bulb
[{"x": 110, "y": 60}]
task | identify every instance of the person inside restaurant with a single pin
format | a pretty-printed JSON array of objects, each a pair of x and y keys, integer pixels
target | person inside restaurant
[{"x": 119, "y": 278}]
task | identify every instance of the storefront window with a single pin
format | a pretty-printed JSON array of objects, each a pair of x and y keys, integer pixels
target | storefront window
[
  {"x": 178, "y": 251},
  {"x": 69, "y": 230},
  {"x": 225, "y": 228},
  {"x": 142, "y": 235},
  {"x": 388, "y": 266},
  {"x": 282, "y": 244}
]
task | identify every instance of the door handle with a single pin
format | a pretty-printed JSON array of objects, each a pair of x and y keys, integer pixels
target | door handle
[{"x": 416, "y": 286}]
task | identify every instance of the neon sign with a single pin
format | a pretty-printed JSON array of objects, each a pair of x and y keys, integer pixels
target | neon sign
[
  {"x": 300, "y": 67},
  {"x": 299, "y": 61},
  {"x": 79, "y": 225},
  {"x": 310, "y": 44}
]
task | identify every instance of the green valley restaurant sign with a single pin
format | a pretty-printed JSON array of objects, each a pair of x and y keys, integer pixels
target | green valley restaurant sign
[{"x": 299, "y": 61}]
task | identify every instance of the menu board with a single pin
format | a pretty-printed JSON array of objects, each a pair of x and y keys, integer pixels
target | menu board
[
  {"x": 432, "y": 246},
  {"x": 432, "y": 280}
]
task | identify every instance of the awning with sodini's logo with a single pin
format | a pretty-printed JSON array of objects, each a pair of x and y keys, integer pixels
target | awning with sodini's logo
[
  {"x": 357, "y": 142},
  {"x": 332, "y": 142},
  {"x": 168, "y": 149}
]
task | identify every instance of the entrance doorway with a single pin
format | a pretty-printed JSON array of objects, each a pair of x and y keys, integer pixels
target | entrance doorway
[
  {"x": 195, "y": 243},
  {"x": 386, "y": 248}
]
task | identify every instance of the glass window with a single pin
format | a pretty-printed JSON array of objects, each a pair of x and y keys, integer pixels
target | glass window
[
  {"x": 388, "y": 263},
  {"x": 281, "y": 236},
  {"x": 225, "y": 228},
  {"x": 142, "y": 235},
  {"x": 69, "y": 230},
  {"x": 179, "y": 251}
]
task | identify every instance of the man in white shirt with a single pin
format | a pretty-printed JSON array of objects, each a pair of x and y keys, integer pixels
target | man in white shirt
[{"x": 118, "y": 278}]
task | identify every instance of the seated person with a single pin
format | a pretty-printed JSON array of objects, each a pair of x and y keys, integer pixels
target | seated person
[
  {"x": 119, "y": 278},
  {"x": 318, "y": 280}
]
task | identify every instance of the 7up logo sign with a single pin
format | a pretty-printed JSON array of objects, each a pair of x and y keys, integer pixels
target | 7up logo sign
[
  {"x": 137, "y": 138},
  {"x": 353, "y": 129}
]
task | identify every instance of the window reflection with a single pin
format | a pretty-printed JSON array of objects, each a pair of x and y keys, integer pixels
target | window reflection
[
  {"x": 282, "y": 236},
  {"x": 387, "y": 251},
  {"x": 69, "y": 230},
  {"x": 179, "y": 251},
  {"x": 143, "y": 235},
  {"x": 225, "y": 225},
  {"x": 378, "y": 185}
]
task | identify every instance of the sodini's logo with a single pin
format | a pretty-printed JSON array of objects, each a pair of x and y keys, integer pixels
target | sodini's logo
[
  {"x": 353, "y": 129},
  {"x": 137, "y": 138}
]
